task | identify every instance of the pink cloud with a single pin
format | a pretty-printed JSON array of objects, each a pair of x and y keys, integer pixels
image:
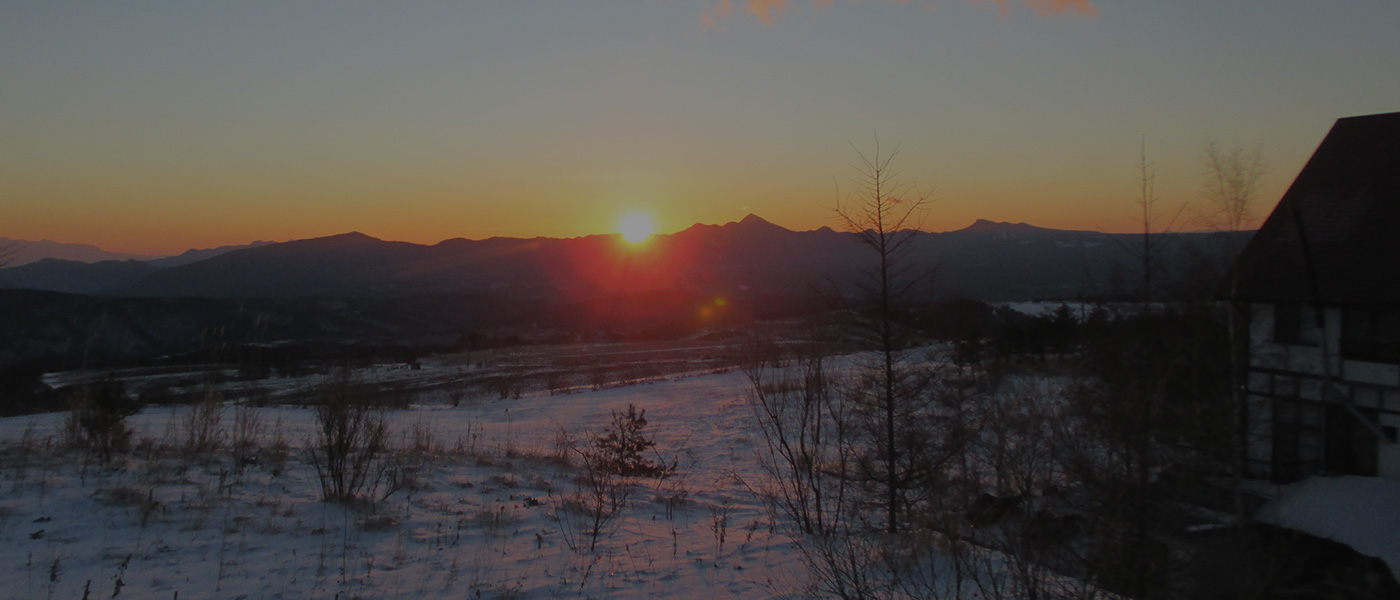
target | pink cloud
[
  {"x": 711, "y": 18},
  {"x": 1049, "y": 7},
  {"x": 769, "y": 11},
  {"x": 1046, "y": 7}
]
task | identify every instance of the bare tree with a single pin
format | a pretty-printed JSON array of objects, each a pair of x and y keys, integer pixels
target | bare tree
[
  {"x": 885, "y": 215},
  {"x": 1232, "y": 176},
  {"x": 1150, "y": 216}
]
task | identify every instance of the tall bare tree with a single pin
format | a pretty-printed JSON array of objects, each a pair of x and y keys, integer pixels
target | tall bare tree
[
  {"x": 1232, "y": 175},
  {"x": 1150, "y": 218},
  {"x": 885, "y": 215}
]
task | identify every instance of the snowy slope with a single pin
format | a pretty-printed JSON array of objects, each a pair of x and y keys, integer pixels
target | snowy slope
[{"x": 163, "y": 523}]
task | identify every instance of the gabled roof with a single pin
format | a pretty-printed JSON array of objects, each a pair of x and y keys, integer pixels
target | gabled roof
[{"x": 1347, "y": 198}]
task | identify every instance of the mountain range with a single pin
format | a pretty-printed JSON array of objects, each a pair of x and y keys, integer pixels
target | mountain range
[
  {"x": 23, "y": 252},
  {"x": 356, "y": 289},
  {"x": 987, "y": 261},
  {"x": 87, "y": 269}
]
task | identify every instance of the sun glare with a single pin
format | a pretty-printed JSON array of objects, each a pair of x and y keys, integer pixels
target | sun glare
[{"x": 636, "y": 227}]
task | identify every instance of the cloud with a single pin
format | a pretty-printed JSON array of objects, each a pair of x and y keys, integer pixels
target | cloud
[
  {"x": 769, "y": 11},
  {"x": 721, "y": 11},
  {"x": 1049, "y": 7}
]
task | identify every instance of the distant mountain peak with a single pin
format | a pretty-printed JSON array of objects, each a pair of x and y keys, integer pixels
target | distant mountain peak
[
  {"x": 353, "y": 237},
  {"x": 24, "y": 252},
  {"x": 986, "y": 226},
  {"x": 755, "y": 222},
  {"x": 194, "y": 255}
]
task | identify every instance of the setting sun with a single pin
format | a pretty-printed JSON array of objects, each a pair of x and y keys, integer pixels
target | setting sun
[{"x": 636, "y": 227}]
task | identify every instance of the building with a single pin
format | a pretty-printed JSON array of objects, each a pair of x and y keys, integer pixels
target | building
[{"x": 1320, "y": 283}]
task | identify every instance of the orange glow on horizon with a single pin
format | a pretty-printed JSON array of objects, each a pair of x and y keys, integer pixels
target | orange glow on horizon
[{"x": 150, "y": 233}]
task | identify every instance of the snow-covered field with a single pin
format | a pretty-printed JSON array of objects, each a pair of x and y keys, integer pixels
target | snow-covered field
[{"x": 487, "y": 518}]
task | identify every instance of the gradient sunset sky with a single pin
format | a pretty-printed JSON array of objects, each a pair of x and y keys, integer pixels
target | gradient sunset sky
[{"x": 154, "y": 127}]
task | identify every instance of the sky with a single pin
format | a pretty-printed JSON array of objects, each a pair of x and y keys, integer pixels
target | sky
[{"x": 154, "y": 127}]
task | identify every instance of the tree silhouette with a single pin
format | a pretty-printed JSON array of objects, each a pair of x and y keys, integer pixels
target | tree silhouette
[{"x": 885, "y": 215}]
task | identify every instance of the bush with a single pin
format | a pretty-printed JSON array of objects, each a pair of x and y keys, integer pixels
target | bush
[
  {"x": 247, "y": 426},
  {"x": 592, "y": 511},
  {"x": 203, "y": 435},
  {"x": 621, "y": 448},
  {"x": 98, "y": 418},
  {"x": 350, "y": 439}
]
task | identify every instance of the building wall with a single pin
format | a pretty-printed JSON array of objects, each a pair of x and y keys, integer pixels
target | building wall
[
  {"x": 1389, "y": 452},
  {"x": 1292, "y": 420}
]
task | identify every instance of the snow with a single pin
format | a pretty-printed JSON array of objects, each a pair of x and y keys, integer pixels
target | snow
[
  {"x": 487, "y": 520},
  {"x": 1361, "y": 512},
  {"x": 1047, "y": 309},
  {"x": 1079, "y": 310}
]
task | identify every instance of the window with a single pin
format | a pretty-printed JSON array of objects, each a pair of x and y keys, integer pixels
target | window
[
  {"x": 1356, "y": 332},
  {"x": 1288, "y": 323},
  {"x": 1298, "y": 440},
  {"x": 1295, "y": 323},
  {"x": 1371, "y": 334},
  {"x": 1387, "y": 333},
  {"x": 1352, "y": 445}
]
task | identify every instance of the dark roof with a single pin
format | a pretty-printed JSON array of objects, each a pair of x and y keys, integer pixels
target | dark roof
[{"x": 1347, "y": 198}]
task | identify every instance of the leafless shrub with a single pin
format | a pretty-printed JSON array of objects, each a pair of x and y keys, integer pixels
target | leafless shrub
[
  {"x": 202, "y": 432},
  {"x": 599, "y": 377},
  {"x": 807, "y": 457},
  {"x": 274, "y": 455},
  {"x": 829, "y": 482},
  {"x": 247, "y": 427},
  {"x": 419, "y": 439},
  {"x": 129, "y": 497},
  {"x": 401, "y": 473},
  {"x": 495, "y": 521},
  {"x": 565, "y": 447},
  {"x": 558, "y": 381},
  {"x": 465, "y": 443},
  {"x": 349, "y": 442},
  {"x": 376, "y": 522},
  {"x": 123, "y": 495},
  {"x": 508, "y": 386},
  {"x": 719, "y": 524},
  {"x": 415, "y": 455},
  {"x": 97, "y": 420},
  {"x": 591, "y": 511},
  {"x": 673, "y": 499},
  {"x": 22, "y": 453}
]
